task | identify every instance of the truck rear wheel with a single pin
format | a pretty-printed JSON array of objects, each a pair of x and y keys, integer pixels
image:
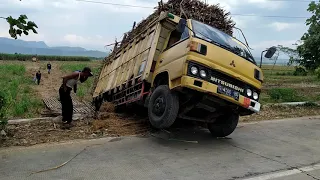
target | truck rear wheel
[
  {"x": 224, "y": 125},
  {"x": 163, "y": 107}
]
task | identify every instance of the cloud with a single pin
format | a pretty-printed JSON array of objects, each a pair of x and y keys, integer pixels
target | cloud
[
  {"x": 281, "y": 26},
  {"x": 228, "y": 5},
  {"x": 274, "y": 5},
  {"x": 232, "y": 5},
  {"x": 244, "y": 22},
  {"x": 92, "y": 25},
  {"x": 96, "y": 41}
]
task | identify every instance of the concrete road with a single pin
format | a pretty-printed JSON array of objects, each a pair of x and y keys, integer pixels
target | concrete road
[{"x": 278, "y": 150}]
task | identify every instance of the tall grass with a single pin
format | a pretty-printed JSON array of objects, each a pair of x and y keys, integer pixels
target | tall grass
[
  {"x": 18, "y": 95},
  {"x": 285, "y": 95}
]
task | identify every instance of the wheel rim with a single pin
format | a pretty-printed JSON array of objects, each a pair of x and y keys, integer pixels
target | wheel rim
[{"x": 159, "y": 106}]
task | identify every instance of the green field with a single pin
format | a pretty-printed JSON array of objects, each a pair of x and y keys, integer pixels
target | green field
[
  {"x": 281, "y": 85},
  {"x": 17, "y": 91}
]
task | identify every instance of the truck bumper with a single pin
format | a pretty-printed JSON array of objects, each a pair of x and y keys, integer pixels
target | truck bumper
[{"x": 210, "y": 88}]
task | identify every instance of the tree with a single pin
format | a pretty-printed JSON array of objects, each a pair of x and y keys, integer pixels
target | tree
[
  {"x": 293, "y": 54},
  {"x": 20, "y": 25},
  {"x": 309, "y": 50}
]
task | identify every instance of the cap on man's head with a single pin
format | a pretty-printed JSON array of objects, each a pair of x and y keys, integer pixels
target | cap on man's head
[{"x": 87, "y": 69}]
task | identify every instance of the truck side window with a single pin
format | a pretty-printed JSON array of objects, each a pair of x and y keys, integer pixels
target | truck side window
[
  {"x": 175, "y": 37},
  {"x": 185, "y": 34}
]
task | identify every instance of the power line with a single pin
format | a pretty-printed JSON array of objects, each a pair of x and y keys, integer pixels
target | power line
[{"x": 248, "y": 15}]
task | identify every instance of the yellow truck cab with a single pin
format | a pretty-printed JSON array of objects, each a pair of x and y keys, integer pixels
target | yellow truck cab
[{"x": 186, "y": 69}]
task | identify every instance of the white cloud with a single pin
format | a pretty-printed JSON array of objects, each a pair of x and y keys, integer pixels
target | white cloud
[
  {"x": 280, "y": 26},
  {"x": 244, "y": 21},
  {"x": 231, "y": 5},
  {"x": 76, "y": 40},
  {"x": 228, "y": 5},
  {"x": 267, "y": 4}
]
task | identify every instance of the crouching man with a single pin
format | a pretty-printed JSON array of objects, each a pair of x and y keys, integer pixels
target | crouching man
[{"x": 70, "y": 82}]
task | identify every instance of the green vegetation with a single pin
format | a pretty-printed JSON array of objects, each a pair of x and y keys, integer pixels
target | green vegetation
[
  {"x": 300, "y": 71},
  {"x": 19, "y": 100},
  {"x": 84, "y": 90},
  {"x": 3, "y": 118},
  {"x": 284, "y": 95},
  {"x": 26, "y": 57},
  {"x": 288, "y": 84},
  {"x": 20, "y": 25},
  {"x": 309, "y": 51},
  {"x": 317, "y": 72}
]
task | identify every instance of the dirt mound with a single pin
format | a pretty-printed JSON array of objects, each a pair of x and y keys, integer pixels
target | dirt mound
[
  {"x": 107, "y": 107},
  {"x": 46, "y": 131},
  {"x": 121, "y": 127}
]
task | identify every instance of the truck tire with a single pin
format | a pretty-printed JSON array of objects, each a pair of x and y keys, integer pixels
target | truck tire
[
  {"x": 224, "y": 125},
  {"x": 163, "y": 107}
]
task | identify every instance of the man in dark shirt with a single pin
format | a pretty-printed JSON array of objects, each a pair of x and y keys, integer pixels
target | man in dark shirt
[
  {"x": 38, "y": 76},
  {"x": 49, "y": 67}
]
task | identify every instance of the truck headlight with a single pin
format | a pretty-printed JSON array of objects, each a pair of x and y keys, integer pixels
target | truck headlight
[
  {"x": 203, "y": 73},
  {"x": 255, "y": 96},
  {"x": 249, "y": 92},
  {"x": 194, "y": 70}
]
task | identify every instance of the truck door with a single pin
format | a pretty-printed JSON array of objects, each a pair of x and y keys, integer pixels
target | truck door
[{"x": 171, "y": 58}]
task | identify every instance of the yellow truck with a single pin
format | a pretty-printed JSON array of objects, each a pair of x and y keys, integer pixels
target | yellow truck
[{"x": 180, "y": 68}]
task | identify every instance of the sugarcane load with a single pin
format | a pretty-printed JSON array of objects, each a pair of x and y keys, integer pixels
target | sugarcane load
[{"x": 182, "y": 62}]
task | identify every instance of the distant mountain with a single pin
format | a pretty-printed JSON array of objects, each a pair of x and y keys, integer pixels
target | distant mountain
[{"x": 12, "y": 46}]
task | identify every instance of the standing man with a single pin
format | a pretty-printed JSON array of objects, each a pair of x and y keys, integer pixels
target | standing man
[
  {"x": 70, "y": 82},
  {"x": 49, "y": 67},
  {"x": 38, "y": 77}
]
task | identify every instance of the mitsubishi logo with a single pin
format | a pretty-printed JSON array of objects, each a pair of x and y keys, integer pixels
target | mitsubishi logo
[{"x": 233, "y": 64}]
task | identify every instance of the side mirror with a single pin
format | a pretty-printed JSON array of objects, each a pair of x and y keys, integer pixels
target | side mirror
[
  {"x": 271, "y": 51},
  {"x": 181, "y": 25}
]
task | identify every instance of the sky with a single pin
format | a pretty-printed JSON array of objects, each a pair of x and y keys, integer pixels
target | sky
[{"x": 93, "y": 25}]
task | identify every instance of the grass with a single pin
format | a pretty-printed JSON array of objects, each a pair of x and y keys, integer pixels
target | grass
[
  {"x": 16, "y": 88},
  {"x": 85, "y": 89},
  {"x": 282, "y": 86},
  {"x": 284, "y": 95}
]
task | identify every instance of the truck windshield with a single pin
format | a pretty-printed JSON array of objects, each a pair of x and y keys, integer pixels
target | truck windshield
[{"x": 221, "y": 39}]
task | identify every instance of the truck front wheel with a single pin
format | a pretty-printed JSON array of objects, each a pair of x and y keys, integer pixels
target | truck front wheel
[
  {"x": 224, "y": 125},
  {"x": 163, "y": 107}
]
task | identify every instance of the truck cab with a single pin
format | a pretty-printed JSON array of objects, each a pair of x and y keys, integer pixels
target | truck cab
[{"x": 214, "y": 76}]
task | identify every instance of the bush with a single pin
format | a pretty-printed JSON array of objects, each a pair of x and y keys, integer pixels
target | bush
[
  {"x": 3, "y": 120},
  {"x": 284, "y": 95},
  {"x": 317, "y": 72},
  {"x": 284, "y": 73},
  {"x": 300, "y": 71},
  {"x": 310, "y": 104}
]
